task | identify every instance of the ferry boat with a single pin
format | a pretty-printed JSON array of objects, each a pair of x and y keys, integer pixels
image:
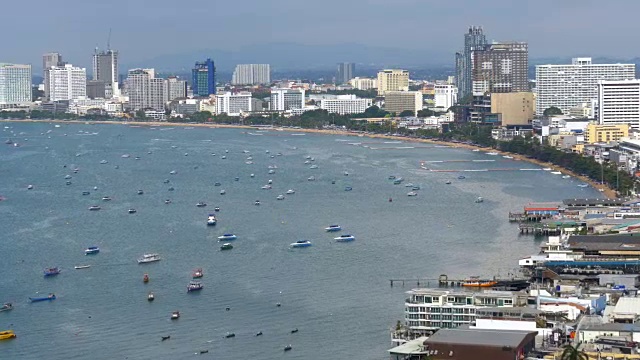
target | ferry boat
[
  {"x": 194, "y": 286},
  {"x": 344, "y": 238},
  {"x": 475, "y": 281},
  {"x": 211, "y": 220},
  {"x": 197, "y": 273},
  {"x": 50, "y": 297},
  {"x": 301, "y": 244},
  {"x": 51, "y": 271},
  {"x": 227, "y": 237},
  {"x": 7, "y": 334},
  {"x": 6, "y": 307},
  {"x": 92, "y": 250},
  {"x": 226, "y": 246},
  {"x": 332, "y": 228},
  {"x": 148, "y": 258}
]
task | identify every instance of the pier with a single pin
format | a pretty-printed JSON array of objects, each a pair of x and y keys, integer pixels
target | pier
[
  {"x": 525, "y": 217},
  {"x": 539, "y": 229},
  {"x": 443, "y": 281}
]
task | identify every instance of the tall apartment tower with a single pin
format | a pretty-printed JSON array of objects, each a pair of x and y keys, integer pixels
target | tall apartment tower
[
  {"x": 501, "y": 68},
  {"x": 15, "y": 84},
  {"x": 286, "y": 99},
  {"x": 51, "y": 59},
  {"x": 345, "y": 72},
  {"x": 251, "y": 74},
  {"x": 176, "y": 88},
  {"x": 474, "y": 39},
  {"x": 145, "y": 91},
  {"x": 393, "y": 80},
  {"x": 619, "y": 103},
  {"x": 105, "y": 69},
  {"x": 65, "y": 82},
  {"x": 203, "y": 78}
]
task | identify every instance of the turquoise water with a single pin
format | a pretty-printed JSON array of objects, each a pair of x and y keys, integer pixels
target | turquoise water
[{"x": 336, "y": 294}]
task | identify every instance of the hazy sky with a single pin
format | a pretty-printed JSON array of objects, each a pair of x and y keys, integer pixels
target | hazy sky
[{"x": 146, "y": 29}]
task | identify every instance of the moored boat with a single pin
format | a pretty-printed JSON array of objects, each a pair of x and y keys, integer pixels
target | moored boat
[
  {"x": 51, "y": 271},
  {"x": 331, "y": 228},
  {"x": 79, "y": 267},
  {"x": 151, "y": 297},
  {"x": 475, "y": 281},
  {"x": 197, "y": 273},
  {"x": 412, "y": 193},
  {"x": 6, "y": 307},
  {"x": 226, "y": 246},
  {"x": 175, "y": 315},
  {"x": 479, "y": 199},
  {"x": 194, "y": 286},
  {"x": 348, "y": 188},
  {"x": 280, "y": 197},
  {"x": 311, "y": 178},
  {"x": 148, "y": 258},
  {"x": 145, "y": 278},
  {"x": 94, "y": 208},
  {"x": 50, "y": 297},
  {"x": 201, "y": 204},
  {"x": 132, "y": 211},
  {"x": 211, "y": 220},
  {"x": 301, "y": 244},
  {"x": 344, "y": 238},
  {"x": 7, "y": 334},
  {"x": 227, "y": 237},
  {"x": 290, "y": 192},
  {"x": 92, "y": 250}
]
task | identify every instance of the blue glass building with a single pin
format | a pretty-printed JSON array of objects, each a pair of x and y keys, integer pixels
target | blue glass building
[{"x": 203, "y": 81}]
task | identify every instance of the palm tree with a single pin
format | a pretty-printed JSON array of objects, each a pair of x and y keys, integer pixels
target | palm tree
[{"x": 573, "y": 353}]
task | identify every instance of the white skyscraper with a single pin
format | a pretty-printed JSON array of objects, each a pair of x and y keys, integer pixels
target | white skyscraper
[
  {"x": 15, "y": 84},
  {"x": 251, "y": 74},
  {"x": 65, "y": 82},
  {"x": 176, "y": 88},
  {"x": 233, "y": 104},
  {"x": 145, "y": 91},
  {"x": 446, "y": 95},
  {"x": 619, "y": 103},
  {"x": 568, "y": 86},
  {"x": 345, "y": 104},
  {"x": 286, "y": 99}
]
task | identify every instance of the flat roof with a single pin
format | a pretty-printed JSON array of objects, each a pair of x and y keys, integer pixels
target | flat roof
[
  {"x": 412, "y": 347},
  {"x": 482, "y": 337},
  {"x": 618, "y": 242},
  {"x": 611, "y": 327},
  {"x": 586, "y": 202}
]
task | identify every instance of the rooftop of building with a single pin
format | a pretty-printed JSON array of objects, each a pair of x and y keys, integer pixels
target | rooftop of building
[
  {"x": 592, "y": 202},
  {"x": 627, "y": 305},
  {"x": 611, "y": 327},
  {"x": 513, "y": 311},
  {"x": 412, "y": 347},
  {"x": 629, "y": 242},
  {"x": 482, "y": 337}
]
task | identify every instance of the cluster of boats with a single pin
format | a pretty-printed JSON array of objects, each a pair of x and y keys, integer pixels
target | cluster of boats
[{"x": 330, "y": 228}]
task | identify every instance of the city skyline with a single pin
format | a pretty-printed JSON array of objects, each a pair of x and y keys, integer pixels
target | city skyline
[{"x": 553, "y": 33}]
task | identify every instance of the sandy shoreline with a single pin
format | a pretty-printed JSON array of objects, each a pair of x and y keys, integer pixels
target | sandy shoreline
[{"x": 606, "y": 191}]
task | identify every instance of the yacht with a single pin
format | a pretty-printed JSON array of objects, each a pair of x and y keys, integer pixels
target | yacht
[
  {"x": 148, "y": 258},
  {"x": 301, "y": 244},
  {"x": 308, "y": 157},
  {"x": 29, "y": 187},
  {"x": 92, "y": 250},
  {"x": 416, "y": 187},
  {"x": 201, "y": 204},
  {"x": 266, "y": 187},
  {"x": 344, "y": 238},
  {"x": 211, "y": 220},
  {"x": 67, "y": 177},
  {"x": 94, "y": 208},
  {"x": 412, "y": 193},
  {"x": 79, "y": 267},
  {"x": 272, "y": 167},
  {"x": 332, "y": 228},
  {"x": 290, "y": 192},
  {"x": 194, "y": 286},
  {"x": 227, "y": 237},
  {"x": 280, "y": 197},
  {"x": 479, "y": 199},
  {"x": 248, "y": 162},
  {"x": 448, "y": 182}
]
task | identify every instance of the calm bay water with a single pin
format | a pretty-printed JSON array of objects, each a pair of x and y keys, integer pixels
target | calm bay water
[{"x": 336, "y": 294}]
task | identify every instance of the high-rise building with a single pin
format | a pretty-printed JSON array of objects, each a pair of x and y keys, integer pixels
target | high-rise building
[
  {"x": 474, "y": 39},
  {"x": 501, "y": 68},
  {"x": 176, "y": 88},
  {"x": 345, "y": 72},
  {"x": 105, "y": 69},
  {"x": 96, "y": 89},
  {"x": 399, "y": 101},
  {"x": 233, "y": 104},
  {"x": 619, "y": 103},
  {"x": 65, "y": 82},
  {"x": 393, "y": 80},
  {"x": 364, "y": 83},
  {"x": 514, "y": 108},
  {"x": 446, "y": 95},
  {"x": 286, "y": 99},
  {"x": 251, "y": 74},
  {"x": 568, "y": 86},
  {"x": 51, "y": 59},
  {"x": 203, "y": 78},
  {"x": 145, "y": 91},
  {"x": 345, "y": 104},
  {"x": 15, "y": 84}
]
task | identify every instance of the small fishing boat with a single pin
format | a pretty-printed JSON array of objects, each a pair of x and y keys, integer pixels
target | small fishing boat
[
  {"x": 172, "y": 172},
  {"x": 237, "y": 179},
  {"x": 104, "y": 162},
  {"x": 79, "y": 267},
  {"x": 92, "y": 250},
  {"x": 106, "y": 198},
  {"x": 68, "y": 183},
  {"x": 222, "y": 192},
  {"x": 301, "y": 244},
  {"x": 132, "y": 211},
  {"x": 140, "y": 192},
  {"x": 280, "y": 197},
  {"x": 412, "y": 193},
  {"x": 29, "y": 187},
  {"x": 479, "y": 199},
  {"x": 566, "y": 176},
  {"x": 290, "y": 192},
  {"x": 230, "y": 335},
  {"x": 175, "y": 315},
  {"x": 345, "y": 173},
  {"x": 201, "y": 204},
  {"x": 7, "y": 334},
  {"x": 51, "y": 271},
  {"x": 332, "y": 228},
  {"x": 344, "y": 238},
  {"x": 67, "y": 177},
  {"x": 272, "y": 171},
  {"x": 408, "y": 185},
  {"x": 194, "y": 286},
  {"x": 311, "y": 178},
  {"x": 313, "y": 167},
  {"x": 167, "y": 201},
  {"x": 223, "y": 157},
  {"x": 287, "y": 348},
  {"x": 151, "y": 297},
  {"x": 475, "y": 281},
  {"x": 583, "y": 185},
  {"x": 166, "y": 181},
  {"x": 211, "y": 220},
  {"x": 398, "y": 181},
  {"x": 149, "y": 258},
  {"x": 257, "y": 203},
  {"x": 392, "y": 177},
  {"x": 145, "y": 278},
  {"x": 197, "y": 273},
  {"x": 448, "y": 182},
  {"x": 6, "y": 307},
  {"x": 269, "y": 181},
  {"x": 171, "y": 188},
  {"x": 252, "y": 175},
  {"x": 227, "y": 237},
  {"x": 50, "y": 297},
  {"x": 226, "y": 246}
]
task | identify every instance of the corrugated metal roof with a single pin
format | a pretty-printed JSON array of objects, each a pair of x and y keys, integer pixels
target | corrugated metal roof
[
  {"x": 628, "y": 305},
  {"x": 481, "y": 337}
]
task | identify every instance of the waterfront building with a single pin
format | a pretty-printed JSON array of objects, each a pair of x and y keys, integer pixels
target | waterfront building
[
  {"x": 66, "y": 82},
  {"x": 393, "y": 80},
  {"x": 251, "y": 74},
  {"x": 233, "y": 104},
  {"x": 568, "y": 86},
  {"x": 399, "y": 101},
  {"x": 286, "y": 99},
  {"x": 51, "y": 59},
  {"x": 145, "y": 91},
  {"x": 15, "y": 84},
  {"x": 105, "y": 69},
  {"x": 474, "y": 39},
  {"x": 515, "y": 108},
  {"x": 176, "y": 88},
  {"x": 596, "y": 133},
  {"x": 345, "y": 72},
  {"x": 474, "y": 344},
  {"x": 501, "y": 68},
  {"x": 345, "y": 104},
  {"x": 184, "y": 107},
  {"x": 203, "y": 78},
  {"x": 619, "y": 102},
  {"x": 82, "y": 105},
  {"x": 362, "y": 83},
  {"x": 445, "y": 95}
]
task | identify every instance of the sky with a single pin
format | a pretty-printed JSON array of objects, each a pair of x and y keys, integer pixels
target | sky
[{"x": 143, "y": 30}]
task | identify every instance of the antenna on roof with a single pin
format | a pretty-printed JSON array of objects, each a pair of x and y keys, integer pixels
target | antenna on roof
[{"x": 109, "y": 40}]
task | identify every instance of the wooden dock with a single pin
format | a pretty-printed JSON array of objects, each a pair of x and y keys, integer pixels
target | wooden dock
[{"x": 539, "y": 229}]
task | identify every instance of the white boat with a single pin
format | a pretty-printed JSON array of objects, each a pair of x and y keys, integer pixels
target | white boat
[
  {"x": 344, "y": 238},
  {"x": 248, "y": 162},
  {"x": 307, "y": 162},
  {"x": 272, "y": 171},
  {"x": 546, "y": 169},
  {"x": 313, "y": 167},
  {"x": 270, "y": 182},
  {"x": 331, "y": 228},
  {"x": 223, "y": 157},
  {"x": 508, "y": 157},
  {"x": 290, "y": 191},
  {"x": 493, "y": 153},
  {"x": 266, "y": 187},
  {"x": 211, "y": 220},
  {"x": 566, "y": 176},
  {"x": 583, "y": 185},
  {"x": 173, "y": 172},
  {"x": 253, "y": 175},
  {"x": 148, "y": 258},
  {"x": 556, "y": 172},
  {"x": 479, "y": 199},
  {"x": 301, "y": 244},
  {"x": 475, "y": 150},
  {"x": 272, "y": 167},
  {"x": 104, "y": 162},
  {"x": 346, "y": 173},
  {"x": 227, "y": 237},
  {"x": 412, "y": 193},
  {"x": 280, "y": 197},
  {"x": 222, "y": 192},
  {"x": 311, "y": 178},
  {"x": 78, "y": 267}
]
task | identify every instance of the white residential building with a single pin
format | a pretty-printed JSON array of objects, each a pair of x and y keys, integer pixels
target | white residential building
[
  {"x": 568, "y": 86},
  {"x": 145, "y": 91},
  {"x": 176, "y": 88},
  {"x": 15, "y": 84},
  {"x": 81, "y": 106},
  {"x": 364, "y": 83},
  {"x": 66, "y": 82},
  {"x": 233, "y": 104},
  {"x": 286, "y": 99},
  {"x": 619, "y": 103},
  {"x": 251, "y": 74},
  {"x": 345, "y": 104},
  {"x": 446, "y": 95}
]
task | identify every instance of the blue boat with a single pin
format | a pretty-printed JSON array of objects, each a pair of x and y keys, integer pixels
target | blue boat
[
  {"x": 92, "y": 250},
  {"x": 47, "y": 298},
  {"x": 51, "y": 271},
  {"x": 332, "y": 228},
  {"x": 348, "y": 188},
  {"x": 301, "y": 244}
]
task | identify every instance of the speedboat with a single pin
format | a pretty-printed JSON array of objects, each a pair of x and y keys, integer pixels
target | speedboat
[
  {"x": 252, "y": 175},
  {"x": 227, "y": 237},
  {"x": 301, "y": 244},
  {"x": 223, "y": 157},
  {"x": 194, "y": 286},
  {"x": 6, "y": 307},
  {"x": 51, "y": 271},
  {"x": 92, "y": 250},
  {"x": 344, "y": 238},
  {"x": 257, "y": 202},
  {"x": 222, "y": 192},
  {"x": 211, "y": 220},
  {"x": 106, "y": 198},
  {"x": 175, "y": 315},
  {"x": 280, "y": 197},
  {"x": 50, "y": 297},
  {"x": 29, "y": 187},
  {"x": 412, "y": 193},
  {"x": 149, "y": 258},
  {"x": 132, "y": 211},
  {"x": 272, "y": 167},
  {"x": 201, "y": 204},
  {"x": 290, "y": 192},
  {"x": 217, "y": 184},
  {"x": 348, "y": 188},
  {"x": 311, "y": 178},
  {"x": 7, "y": 334},
  {"x": 332, "y": 228},
  {"x": 266, "y": 187},
  {"x": 269, "y": 181},
  {"x": 479, "y": 199},
  {"x": 197, "y": 273},
  {"x": 226, "y": 246},
  {"x": 313, "y": 167},
  {"x": 79, "y": 267},
  {"x": 150, "y": 297},
  {"x": 140, "y": 192}
]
